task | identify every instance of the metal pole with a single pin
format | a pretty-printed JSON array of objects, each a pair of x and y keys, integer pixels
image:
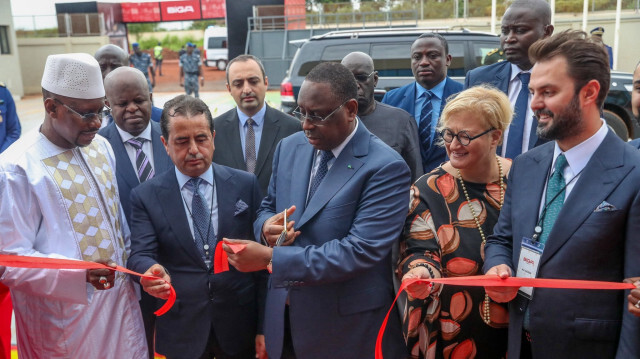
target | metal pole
[
  {"x": 616, "y": 35},
  {"x": 585, "y": 11},
  {"x": 421, "y": 9},
  {"x": 552, "y": 4},
  {"x": 465, "y": 9},
  {"x": 455, "y": 9}
]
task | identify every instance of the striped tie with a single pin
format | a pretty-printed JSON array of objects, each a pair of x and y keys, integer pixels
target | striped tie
[
  {"x": 424, "y": 127},
  {"x": 250, "y": 147},
  {"x": 143, "y": 166}
]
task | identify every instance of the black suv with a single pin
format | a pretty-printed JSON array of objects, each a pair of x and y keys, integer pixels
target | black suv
[{"x": 390, "y": 49}]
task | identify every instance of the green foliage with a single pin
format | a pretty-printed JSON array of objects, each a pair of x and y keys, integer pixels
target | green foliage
[
  {"x": 203, "y": 24},
  {"x": 171, "y": 42},
  {"x": 137, "y": 29}
]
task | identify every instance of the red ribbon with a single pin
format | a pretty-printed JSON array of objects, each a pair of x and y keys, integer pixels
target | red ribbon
[
  {"x": 55, "y": 263},
  {"x": 220, "y": 258},
  {"x": 495, "y": 281}
]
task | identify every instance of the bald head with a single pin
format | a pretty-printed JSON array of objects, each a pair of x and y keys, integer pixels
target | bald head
[
  {"x": 111, "y": 57},
  {"x": 361, "y": 66},
  {"x": 128, "y": 96},
  {"x": 540, "y": 8}
]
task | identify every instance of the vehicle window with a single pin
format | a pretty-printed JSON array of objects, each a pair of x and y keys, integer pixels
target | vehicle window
[
  {"x": 485, "y": 53},
  {"x": 217, "y": 43},
  {"x": 392, "y": 60},
  {"x": 456, "y": 50},
  {"x": 332, "y": 53}
]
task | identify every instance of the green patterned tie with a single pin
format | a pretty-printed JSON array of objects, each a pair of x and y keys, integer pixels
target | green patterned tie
[{"x": 555, "y": 186}]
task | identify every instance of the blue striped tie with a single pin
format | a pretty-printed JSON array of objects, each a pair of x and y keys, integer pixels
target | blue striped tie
[
  {"x": 323, "y": 168},
  {"x": 201, "y": 216},
  {"x": 516, "y": 130},
  {"x": 144, "y": 170},
  {"x": 424, "y": 126}
]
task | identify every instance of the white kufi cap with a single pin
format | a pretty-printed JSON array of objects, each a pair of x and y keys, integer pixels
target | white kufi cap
[{"x": 73, "y": 75}]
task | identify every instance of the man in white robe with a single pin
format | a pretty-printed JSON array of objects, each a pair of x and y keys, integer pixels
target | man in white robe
[{"x": 60, "y": 200}]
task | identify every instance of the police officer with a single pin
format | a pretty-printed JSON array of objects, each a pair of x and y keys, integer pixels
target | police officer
[
  {"x": 142, "y": 61},
  {"x": 190, "y": 70},
  {"x": 9, "y": 124}
]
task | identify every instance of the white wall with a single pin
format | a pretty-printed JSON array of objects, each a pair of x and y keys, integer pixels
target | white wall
[{"x": 10, "y": 69}]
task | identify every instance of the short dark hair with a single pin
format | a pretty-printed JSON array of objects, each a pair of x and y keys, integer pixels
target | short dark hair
[
  {"x": 245, "y": 58},
  {"x": 541, "y": 8},
  {"x": 435, "y": 35},
  {"x": 586, "y": 60},
  {"x": 183, "y": 105},
  {"x": 340, "y": 79}
]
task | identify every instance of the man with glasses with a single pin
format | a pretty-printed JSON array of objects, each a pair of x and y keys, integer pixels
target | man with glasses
[
  {"x": 137, "y": 148},
  {"x": 249, "y": 133},
  {"x": 392, "y": 125},
  {"x": 345, "y": 193},
  {"x": 60, "y": 200},
  {"x": 426, "y": 97}
]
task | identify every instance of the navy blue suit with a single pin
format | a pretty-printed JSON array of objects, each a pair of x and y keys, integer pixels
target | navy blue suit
[
  {"x": 336, "y": 273},
  {"x": 586, "y": 243},
  {"x": 498, "y": 75},
  {"x": 9, "y": 124},
  {"x": 125, "y": 173},
  {"x": 228, "y": 303},
  {"x": 405, "y": 98}
]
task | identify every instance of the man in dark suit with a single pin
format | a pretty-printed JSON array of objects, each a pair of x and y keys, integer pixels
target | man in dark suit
[
  {"x": 252, "y": 119},
  {"x": 178, "y": 219},
  {"x": 111, "y": 57},
  {"x": 524, "y": 22},
  {"x": 137, "y": 148},
  {"x": 394, "y": 126},
  {"x": 577, "y": 200},
  {"x": 426, "y": 97},
  {"x": 345, "y": 191}
]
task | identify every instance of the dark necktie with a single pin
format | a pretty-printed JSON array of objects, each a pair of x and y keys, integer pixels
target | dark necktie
[
  {"x": 325, "y": 157},
  {"x": 202, "y": 232},
  {"x": 424, "y": 126},
  {"x": 144, "y": 170},
  {"x": 555, "y": 186},
  {"x": 516, "y": 130},
  {"x": 250, "y": 147}
]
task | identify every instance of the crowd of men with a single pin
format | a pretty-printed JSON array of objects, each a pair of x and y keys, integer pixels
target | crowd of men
[{"x": 316, "y": 204}]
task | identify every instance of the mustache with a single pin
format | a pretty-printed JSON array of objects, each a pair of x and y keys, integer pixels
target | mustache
[
  {"x": 197, "y": 156},
  {"x": 248, "y": 95},
  {"x": 545, "y": 112}
]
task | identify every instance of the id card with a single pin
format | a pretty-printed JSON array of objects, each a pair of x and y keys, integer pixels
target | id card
[{"x": 530, "y": 253}]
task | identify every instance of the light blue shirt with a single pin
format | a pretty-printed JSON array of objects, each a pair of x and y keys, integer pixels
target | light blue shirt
[
  {"x": 207, "y": 188},
  {"x": 258, "y": 119},
  {"x": 436, "y": 102}
]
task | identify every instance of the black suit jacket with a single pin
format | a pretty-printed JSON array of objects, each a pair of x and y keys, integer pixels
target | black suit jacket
[
  {"x": 277, "y": 125},
  {"x": 125, "y": 173},
  {"x": 231, "y": 301}
]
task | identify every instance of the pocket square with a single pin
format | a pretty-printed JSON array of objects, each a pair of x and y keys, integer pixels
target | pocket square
[
  {"x": 605, "y": 207},
  {"x": 241, "y": 207}
]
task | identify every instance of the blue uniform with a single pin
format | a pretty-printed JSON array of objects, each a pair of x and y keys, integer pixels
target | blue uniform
[
  {"x": 142, "y": 63},
  {"x": 9, "y": 124},
  {"x": 191, "y": 66}
]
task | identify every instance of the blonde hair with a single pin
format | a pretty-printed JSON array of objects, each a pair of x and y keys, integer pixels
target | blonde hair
[{"x": 491, "y": 104}]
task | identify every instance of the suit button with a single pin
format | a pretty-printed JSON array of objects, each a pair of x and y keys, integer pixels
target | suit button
[
  {"x": 296, "y": 283},
  {"x": 521, "y": 309}
]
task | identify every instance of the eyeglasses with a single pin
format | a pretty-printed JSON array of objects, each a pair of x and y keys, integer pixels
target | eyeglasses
[
  {"x": 87, "y": 116},
  {"x": 363, "y": 78},
  {"x": 316, "y": 120},
  {"x": 462, "y": 136}
]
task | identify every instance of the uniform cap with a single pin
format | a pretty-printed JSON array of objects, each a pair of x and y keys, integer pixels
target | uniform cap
[
  {"x": 191, "y": 44},
  {"x": 135, "y": 44},
  {"x": 73, "y": 75},
  {"x": 598, "y": 31}
]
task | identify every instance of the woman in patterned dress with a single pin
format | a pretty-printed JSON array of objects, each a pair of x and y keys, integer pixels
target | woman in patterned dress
[{"x": 452, "y": 211}]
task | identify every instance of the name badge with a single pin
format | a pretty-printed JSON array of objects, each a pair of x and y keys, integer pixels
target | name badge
[{"x": 530, "y": 253}]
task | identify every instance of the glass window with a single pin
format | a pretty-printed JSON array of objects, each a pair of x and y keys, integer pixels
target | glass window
[
  {"x": 392, "y": 60},
  {"x": 456, "y": 50},
  {"x": 331, "y": 53},
  {"x": 4, "y": 40},
  {"x": 217, "y": 43}
]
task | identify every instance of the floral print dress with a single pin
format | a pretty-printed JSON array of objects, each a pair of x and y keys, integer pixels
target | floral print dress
[{"x": 440, "y": 230}]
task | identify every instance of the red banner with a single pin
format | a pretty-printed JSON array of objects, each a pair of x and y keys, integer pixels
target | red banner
[
  {"x": 495, "y": 281},
  {"x": 180, "y": 10},
  {"x": 213, "y": 9},
  {"x": 141, "y": 12}
]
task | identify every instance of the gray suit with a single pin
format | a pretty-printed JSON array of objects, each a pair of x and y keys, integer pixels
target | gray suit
[
  {"x": 397, "y": 128},
  {"x": 277, "y": 126}
]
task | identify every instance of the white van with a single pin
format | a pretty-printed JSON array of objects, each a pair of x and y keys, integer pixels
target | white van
[{"x": 215, "y": 47}]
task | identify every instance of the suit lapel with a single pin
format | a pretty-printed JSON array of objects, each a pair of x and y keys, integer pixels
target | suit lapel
[
  {"x": 344, "y": 167},
  {"x": 270, "y": 130},
  {"x": 533, "y": 184},
  {"x": 409, "y": 100},
  {"x": 161, "y": 161},
  {"x": 234, "y": 141},
  {"x": 225, "y": 191},
  {"x": 170, "y": 199},
  {"x": 302, "y": 159},
  {"x": 123, "y": 166},
  {"x": 502, "y": 78},
  {"x": 600, "y": 177}
]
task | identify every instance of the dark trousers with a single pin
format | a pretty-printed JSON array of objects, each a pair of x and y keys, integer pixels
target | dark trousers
[
  {"x": 213, "y": 350},
  {"x": 525, "y": 346},
  {"x": 287, "y": 346}
]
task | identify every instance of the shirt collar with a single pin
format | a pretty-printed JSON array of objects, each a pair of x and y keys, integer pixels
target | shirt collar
[
  {"x": 336, "y": 151},
  {"x": 515, "y": 71},
  {"x": 126, "y": 136},
  {"x": 579, "y": 155},
  {"x": 258, "y": 118},
  {"x": 437, "y": 90},
  {"x": 207, "y": 176}
]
